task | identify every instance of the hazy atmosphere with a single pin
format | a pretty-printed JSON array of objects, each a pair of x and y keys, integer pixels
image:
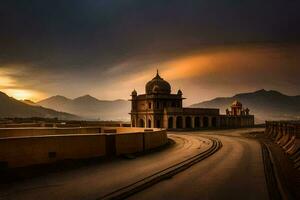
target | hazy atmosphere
[
  {"x": 157, "y": 99},
  {"x": 108, "y": 48}
]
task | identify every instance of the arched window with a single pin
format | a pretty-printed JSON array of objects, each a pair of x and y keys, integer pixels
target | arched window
[
  {"x": 197, "y": 122},
  {"x": 157, "y": 105},
  {"x": 170, "y": 122},
  {"x": 188, "y": 122},
  {"x": 141, "y": 123},
  {"x": 214, "y": 122},
  {"x": 158, "y": 123},
  {"x": 149, "y": 123},
  {"x": 179, "y": 122},
  {"x": 205, "y": 122}
]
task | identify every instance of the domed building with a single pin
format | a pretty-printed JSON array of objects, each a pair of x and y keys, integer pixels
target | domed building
[
  {"x": 237, "y": 109},
  {"x": 159, "y": 108}
]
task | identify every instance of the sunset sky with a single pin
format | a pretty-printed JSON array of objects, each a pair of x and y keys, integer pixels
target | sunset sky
[{"x": 106, "y": 48}]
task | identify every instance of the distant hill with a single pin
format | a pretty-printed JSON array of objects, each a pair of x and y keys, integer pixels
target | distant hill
[
  {"x": 265, "y": 105},
  {"x": 29, "y": 102},
  {"x": 89, "y": 107},
  {"x": 10, "y": 107}
]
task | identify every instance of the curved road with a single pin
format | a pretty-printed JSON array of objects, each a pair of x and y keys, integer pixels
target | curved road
[{"x": 234, "y": 172}]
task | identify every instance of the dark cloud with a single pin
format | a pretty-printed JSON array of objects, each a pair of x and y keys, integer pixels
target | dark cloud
[
  {"x": 77, "y": 33},
  {"x": 87, "y": 39}
]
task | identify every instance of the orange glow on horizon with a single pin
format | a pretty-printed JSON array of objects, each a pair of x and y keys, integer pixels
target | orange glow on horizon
[
  {"x": 22, "y": 94},
  {"x": 13, "y": 87}
]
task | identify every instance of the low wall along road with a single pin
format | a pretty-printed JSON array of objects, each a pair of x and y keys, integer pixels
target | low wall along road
[
  {"x": 21, "y": 147},
  {"x": 287, "y": 135}
]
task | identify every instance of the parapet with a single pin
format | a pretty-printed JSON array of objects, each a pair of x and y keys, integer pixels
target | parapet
[{"x": 21, "y": 147}]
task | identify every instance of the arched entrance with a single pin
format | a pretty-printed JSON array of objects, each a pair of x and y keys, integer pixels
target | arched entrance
[
  {"x": 188, "y": 122},
  {"x": 205, "y": 122},
  {"x": 170, "y": 122},
  {"x": 214, "y": 122},
  {"x": 158, "y": 123},
  {"x": 141, "y": 123},
  {"x": 197, "y": 122},
  {"x": 149, "y": 123},
  {"x": 179, "y": 122}
]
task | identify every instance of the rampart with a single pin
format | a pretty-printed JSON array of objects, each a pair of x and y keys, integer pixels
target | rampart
[{"x": 21, "y": 147}]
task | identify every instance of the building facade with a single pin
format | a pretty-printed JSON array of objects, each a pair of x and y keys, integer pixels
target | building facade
[{"x": 158, "y": 108}]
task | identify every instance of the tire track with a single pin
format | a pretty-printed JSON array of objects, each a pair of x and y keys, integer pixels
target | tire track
[{"x": 166, "y": 173}]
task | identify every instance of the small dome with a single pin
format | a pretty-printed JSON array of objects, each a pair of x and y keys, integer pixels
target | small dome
[
  {"x": 236, "y": 103},
  {"x": 179, "y": 92},
  {"x": 158, "y": 86},
  {"x": 133, "y": 93}
]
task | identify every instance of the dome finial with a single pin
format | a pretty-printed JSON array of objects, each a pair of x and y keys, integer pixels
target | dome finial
[{"x": 157, "y": 74}]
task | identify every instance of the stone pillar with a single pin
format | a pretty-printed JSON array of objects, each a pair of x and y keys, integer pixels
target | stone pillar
[
  {"x": 174, "y": 121},
  {"x": 146, "y": 121},
  {"x": 165, "y": 121},
  {"x": 152, "y": 121},
  {"x": 193, "y": 121},
  {"x": 183, "y": 121},
  {"x": 134, "y": 121}
]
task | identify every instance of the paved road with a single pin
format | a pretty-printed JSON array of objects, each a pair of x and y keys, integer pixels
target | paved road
[{"x": 234, "y": 172}]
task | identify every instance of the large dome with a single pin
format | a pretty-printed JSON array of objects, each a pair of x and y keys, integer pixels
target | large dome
[{"x": 158, "y": 86}]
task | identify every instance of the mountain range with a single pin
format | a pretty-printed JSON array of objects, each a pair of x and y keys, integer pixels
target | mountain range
[
  {"x": 89, "y": 107},
  {"x": 11, "y": 108},
  {"x": 265, "y": 105}
]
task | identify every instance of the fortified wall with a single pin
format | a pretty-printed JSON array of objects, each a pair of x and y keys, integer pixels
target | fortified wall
[{"x": 20, "y": 147}]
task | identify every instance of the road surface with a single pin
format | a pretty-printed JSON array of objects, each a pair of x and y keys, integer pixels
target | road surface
[{"x": 234, "y": 172}]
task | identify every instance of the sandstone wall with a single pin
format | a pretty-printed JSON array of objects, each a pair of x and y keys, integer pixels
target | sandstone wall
[
  {"x": 127, "y": 143},
  {"x": 154, "y": 139},
  {"x": 24, "y": 151},
  {"x": 28, "y": 146}
]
